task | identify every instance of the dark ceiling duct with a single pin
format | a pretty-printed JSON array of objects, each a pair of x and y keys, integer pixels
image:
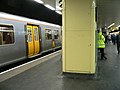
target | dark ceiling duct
[{"x": 30, "y": 9}]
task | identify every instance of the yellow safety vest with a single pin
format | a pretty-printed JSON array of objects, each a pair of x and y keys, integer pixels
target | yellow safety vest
[{"x": 101, "y": 40}]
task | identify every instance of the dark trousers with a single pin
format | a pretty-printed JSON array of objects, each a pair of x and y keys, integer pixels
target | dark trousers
[
  {"x": 102, "y": 53},
  {"x": 118, "y": 48}
]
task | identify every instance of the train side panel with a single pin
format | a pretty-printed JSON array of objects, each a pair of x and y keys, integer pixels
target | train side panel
[
  {"x": 16, "y": 51},
  {"x": 46, "y": 44},
  {"x": 57, "y": 40},
  {"x": 10, "y": 53}
]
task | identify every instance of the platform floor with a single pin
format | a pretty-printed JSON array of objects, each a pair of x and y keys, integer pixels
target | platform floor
[{"x": 47, "y": 76}]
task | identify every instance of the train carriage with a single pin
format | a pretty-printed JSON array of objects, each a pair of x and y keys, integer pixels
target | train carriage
[{"x": 22, "y": 38}]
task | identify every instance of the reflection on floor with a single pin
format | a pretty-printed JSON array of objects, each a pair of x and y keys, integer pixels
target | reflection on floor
[{"x": 47, "y": 76}]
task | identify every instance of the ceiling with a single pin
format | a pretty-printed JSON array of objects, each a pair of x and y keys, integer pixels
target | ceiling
[
  {"x": 108, "y": 12},
  {"x": 50, "y": 2}
]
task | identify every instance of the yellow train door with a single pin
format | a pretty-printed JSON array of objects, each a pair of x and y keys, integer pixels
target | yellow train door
[
  {"x": 33, "y": 40},
  {"x": 36, "y": 40}
]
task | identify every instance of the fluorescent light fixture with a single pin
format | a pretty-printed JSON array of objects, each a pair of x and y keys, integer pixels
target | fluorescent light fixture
[
  {"x": 39, "y": 1},
  {"x": 111, "y": 25},
  {"x": 58, "y": 12},
  {"x": 50, "y": 7},
  {"x": 58, "y": 8},
  {"x": 118, "y": 27}
]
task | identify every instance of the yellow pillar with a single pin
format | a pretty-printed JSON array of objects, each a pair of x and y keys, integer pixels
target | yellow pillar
[{"x": 79, "y": 36}]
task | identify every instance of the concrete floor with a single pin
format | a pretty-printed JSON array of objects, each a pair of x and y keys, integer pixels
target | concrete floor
[{"x": 47, "y": 76}]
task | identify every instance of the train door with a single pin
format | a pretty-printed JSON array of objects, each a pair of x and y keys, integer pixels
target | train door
[
  {"x": 56, "y": 37},
  {"x": 36, "y": 40},
  {"x": 33, "y": 40}
]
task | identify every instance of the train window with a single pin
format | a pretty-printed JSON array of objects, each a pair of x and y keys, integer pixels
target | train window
[
  {"x": 56, "y": 34},
  {"x": 29, "y": 34},
  {"x": 48, "y": 34},
  {"x": 6, "y": 34},
  {"x": 36, "y": 34}
]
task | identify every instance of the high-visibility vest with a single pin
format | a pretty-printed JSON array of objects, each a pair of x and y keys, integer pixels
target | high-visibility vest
[{"x": 101, "y": 40}]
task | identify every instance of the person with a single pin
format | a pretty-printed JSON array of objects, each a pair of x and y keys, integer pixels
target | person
[
  {"x": 109, "y": 38},
  {"x": 106, "y": 38},
  {"x": 8, "y": 39},
  {"x": 101, "y": 45},
  {"x": 113, "y": 37},
  {"x": 118, "y": 42}
]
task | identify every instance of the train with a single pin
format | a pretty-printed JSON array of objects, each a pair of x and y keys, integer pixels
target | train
[{"x": 22, "y": 38}]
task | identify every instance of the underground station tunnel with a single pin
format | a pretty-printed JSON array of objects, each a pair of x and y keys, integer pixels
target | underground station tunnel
[{"x": 59, "y": 45}]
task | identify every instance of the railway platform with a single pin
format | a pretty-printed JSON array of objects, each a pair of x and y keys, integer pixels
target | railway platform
[{"x": 47, "y": 75}]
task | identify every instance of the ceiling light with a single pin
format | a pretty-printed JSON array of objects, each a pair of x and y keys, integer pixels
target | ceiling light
[
  {"x": 58, "y": 8},
  {"x": 111, "y": 25},
  {"x": 59, "y": 12},
  {"x": 50, "y": 7},
  {"x": 39, "y": 1},
  {"x": 118, "y": 27}
]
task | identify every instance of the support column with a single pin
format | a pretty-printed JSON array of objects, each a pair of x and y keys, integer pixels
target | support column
[{"x": 79, "y": 36}]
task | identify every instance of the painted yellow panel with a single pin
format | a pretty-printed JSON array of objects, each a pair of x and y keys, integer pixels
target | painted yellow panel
[
  {"x": 36, "y": 40},
  {"x": 93, "y": 52},
  {"x": 78, "y": 14},
  {"x": 63, "y": 37},
  {"x": 78, "y": 50},
  {"x": 79, "y": 36},
  {"x": 30, "y": 40}
]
